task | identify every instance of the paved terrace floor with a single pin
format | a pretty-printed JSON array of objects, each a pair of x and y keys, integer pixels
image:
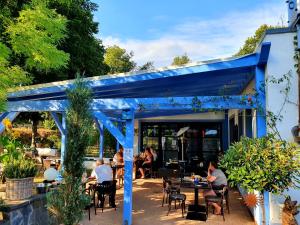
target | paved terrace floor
[{"x": 147, "y": 210}]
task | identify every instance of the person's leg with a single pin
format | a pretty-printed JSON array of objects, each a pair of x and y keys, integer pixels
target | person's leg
[
  {"x": 100, "y": 197},
  {"x": 112, "y": 195},
  {"x": 142, "y": 172},
  {"x": 215, "y": 205}
]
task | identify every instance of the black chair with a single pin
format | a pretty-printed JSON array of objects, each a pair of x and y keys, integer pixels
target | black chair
[
  {"x": 222, "y": 195},
  {"x": 177, "y": 197},
  {"x": 91, "y": 194},
  {"x": 167, "y": 190},
  {"x": 106, "y": 188}
]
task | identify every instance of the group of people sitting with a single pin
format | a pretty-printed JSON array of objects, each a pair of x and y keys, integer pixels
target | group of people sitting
[
  {"x": 142, "y": 162},
  {"x": 103, "y": 172},
  {"x": 145, "y": 160}
]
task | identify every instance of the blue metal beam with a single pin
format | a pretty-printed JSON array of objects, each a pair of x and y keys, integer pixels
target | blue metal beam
[
  {"x": 225, "y": 132},
  {"x": 58, "y": 123},
  {"x": 63, "y": 138},
  {"x": 180, "y": 103},
  {"x": 119, "y": 125},
  {"x": 7, "y": 115},
  {"x": 62, "y": 126},
  {"x": 110, "y": 126},
  {"x": 128, "y": 158},
  {"x": 264, "y": 55}
]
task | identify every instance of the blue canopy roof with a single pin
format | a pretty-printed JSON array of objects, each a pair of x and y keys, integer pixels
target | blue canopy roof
[{"x": 222, "y": 77}]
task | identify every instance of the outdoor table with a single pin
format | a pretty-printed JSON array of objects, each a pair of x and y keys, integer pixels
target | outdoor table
[
  {"x": 202, "y": 186},
  {"x": 196, "y": 211}
]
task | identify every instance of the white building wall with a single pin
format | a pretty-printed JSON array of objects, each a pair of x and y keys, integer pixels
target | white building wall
[{"x": 281, "y": 62}]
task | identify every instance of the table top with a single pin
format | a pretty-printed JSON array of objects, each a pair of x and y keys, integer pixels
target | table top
[{"x": 202, "y": 185}]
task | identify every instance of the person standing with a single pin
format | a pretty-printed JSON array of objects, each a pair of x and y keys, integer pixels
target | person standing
[{"x": 119, "y": 162}]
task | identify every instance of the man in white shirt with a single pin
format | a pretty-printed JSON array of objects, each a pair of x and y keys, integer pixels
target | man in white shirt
[
  {"x": 104, "y": 176},
  {"x": 102, "y": 172}
]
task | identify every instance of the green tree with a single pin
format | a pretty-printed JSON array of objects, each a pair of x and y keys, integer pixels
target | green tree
[
  {"x": 181, "y": 60},
  {"x": 118, "y": 60},
  {"x": 251, "y": 42},
  {"x": 146, "y": 66},
  {"x": 29, "y": 35},
  {"x": 86, "y": 51}
]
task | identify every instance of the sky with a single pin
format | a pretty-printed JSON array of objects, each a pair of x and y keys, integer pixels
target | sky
[{"x": 158, "y": 30}]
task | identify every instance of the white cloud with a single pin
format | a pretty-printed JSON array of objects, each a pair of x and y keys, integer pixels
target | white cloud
[{"x": 202, "y": 39}]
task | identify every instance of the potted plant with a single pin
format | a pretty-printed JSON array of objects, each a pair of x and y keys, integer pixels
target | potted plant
[
  {"x": 19, "y": 174},
  {"x": 262, "y": 164}
]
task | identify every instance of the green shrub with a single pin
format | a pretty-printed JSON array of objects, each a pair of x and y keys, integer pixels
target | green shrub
[
  {"x": 68, "y": 202},
  {"x": 20, "y": 168},
  {"x": 262, "y": 164}
]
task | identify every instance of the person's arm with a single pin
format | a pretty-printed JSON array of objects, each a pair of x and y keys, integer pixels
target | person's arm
[
  {"x": 211, "y": 178},
  {"x": 93, "y": 175},
  {"x": 148, "y": 161}
]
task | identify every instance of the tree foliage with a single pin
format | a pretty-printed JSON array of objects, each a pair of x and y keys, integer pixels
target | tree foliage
[
  {"x": 86, "y": 51},
  {"x": 262, "y": 164},
  {"x": 35, "y": 35},
  {"x": 29, "y": 35},
  {"x": 181, "y": 60},
  {"x": 68, "y": 202},
  {"x": 10, "y": 75},
  {"x": 251, "y": 42},
  {"x": 118, "y": 60},
  {"x": 146, "y": 66}
]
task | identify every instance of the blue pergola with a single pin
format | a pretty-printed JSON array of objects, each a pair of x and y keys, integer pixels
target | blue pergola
[{"x": 119, "y": 99}]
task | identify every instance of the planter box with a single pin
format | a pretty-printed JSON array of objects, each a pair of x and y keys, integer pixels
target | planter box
[{"x": 19, "y": 189}]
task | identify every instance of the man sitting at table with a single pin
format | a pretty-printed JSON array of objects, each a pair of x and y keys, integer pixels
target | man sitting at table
[
  {"x": 218, "y": 180},
  {"x": 104, "y": 175}
]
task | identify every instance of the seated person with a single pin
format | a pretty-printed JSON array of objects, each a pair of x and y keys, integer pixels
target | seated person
[
  {"x": 119, "y": 161},
  {"x": 104, "y": 175},
  {"x": 218, "y": 180},
  {"x": 147, "y": 162}
]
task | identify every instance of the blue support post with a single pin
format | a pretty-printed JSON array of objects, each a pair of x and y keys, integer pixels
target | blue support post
[
  {"x": 108, "y": 124},
  {"x": 119, "y": 125},
  {"x": 261, "y": 124},
  {"x": 101, "y": 138},
  {"x": 128, "y": 157},
  {"x": 101, "y": 141},
  {"x": 225, "y": 132},
  {"x": 63, "y": 139},
  {"x": 62, "y": 126}
]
